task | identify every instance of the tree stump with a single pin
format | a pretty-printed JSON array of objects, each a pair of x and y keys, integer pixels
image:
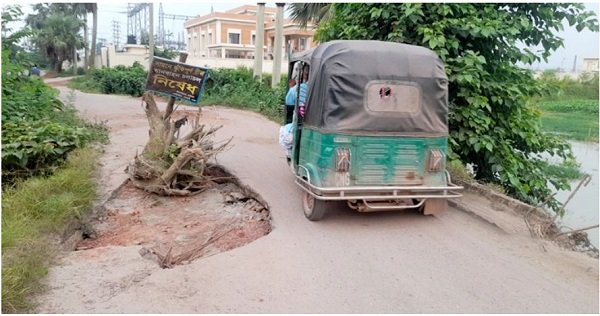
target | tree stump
[{"x": 170, "y": 165}]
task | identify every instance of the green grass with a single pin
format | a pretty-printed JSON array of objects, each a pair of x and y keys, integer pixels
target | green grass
[
  {"x": 575, "y": 125},
  {"x": 575, "y": 119},
  {"x": 458, "y": 171},
  {"x": 85, "y": 84},
  {"x": 570, "y": 106},
  {"x": 33, "y": 211}
]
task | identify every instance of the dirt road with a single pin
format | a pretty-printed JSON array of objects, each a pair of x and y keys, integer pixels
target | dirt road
[{"x": 397, "y": 262}]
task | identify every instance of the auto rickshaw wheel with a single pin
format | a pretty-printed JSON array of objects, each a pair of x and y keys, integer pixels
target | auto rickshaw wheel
[{"x": 314, "y": 209}]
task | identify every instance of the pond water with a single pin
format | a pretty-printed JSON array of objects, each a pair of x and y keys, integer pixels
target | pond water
[{"x": 583, "y": 208}]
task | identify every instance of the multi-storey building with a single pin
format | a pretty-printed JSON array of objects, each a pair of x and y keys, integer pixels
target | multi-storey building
[{"x": 232, "y": 34}]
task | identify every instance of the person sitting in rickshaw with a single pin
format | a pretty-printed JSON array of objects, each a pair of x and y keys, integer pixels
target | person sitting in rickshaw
[
  {"x": 286, "y": 132},
  {"x": 290, "y": 98},
  {"x": 286, "y": 139}
]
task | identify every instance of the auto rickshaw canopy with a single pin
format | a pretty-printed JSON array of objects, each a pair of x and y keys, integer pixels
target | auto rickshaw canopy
[{"x": 375, "y": 87}]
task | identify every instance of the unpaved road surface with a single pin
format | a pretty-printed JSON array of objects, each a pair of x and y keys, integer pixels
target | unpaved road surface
[{"x": 394, "y": 262}]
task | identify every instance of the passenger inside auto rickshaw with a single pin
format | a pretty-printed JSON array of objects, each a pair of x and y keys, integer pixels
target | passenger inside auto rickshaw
[
  {"x": 286, "y": 132},
  {"x": 292, "y": 95}
]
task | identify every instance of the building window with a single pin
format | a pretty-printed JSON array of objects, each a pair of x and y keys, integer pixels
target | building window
[
  {"x": 233, "y": 54},
  {"x": 253, "y": 39},
  {"x": 234, "y": 38},
  {"x": 302, "y": 43}
]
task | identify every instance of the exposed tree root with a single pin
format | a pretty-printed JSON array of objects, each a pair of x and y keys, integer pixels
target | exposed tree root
[{"x": 170, "y": 165}]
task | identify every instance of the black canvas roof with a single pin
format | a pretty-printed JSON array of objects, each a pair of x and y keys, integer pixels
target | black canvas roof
[{"x": 341, "y": 71}]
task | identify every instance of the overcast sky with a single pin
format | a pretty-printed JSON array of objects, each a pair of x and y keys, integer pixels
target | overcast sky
[{"x": 584, "y": 44}]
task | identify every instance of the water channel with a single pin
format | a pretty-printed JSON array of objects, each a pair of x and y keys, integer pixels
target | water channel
[{"x": 583, "y": 208}]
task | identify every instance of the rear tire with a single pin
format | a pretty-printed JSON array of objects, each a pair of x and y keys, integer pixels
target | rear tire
[{"x": 314, "y": 209}]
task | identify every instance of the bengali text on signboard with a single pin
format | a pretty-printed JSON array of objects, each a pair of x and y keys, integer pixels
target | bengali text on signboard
[{"x": 176, "y": 79}]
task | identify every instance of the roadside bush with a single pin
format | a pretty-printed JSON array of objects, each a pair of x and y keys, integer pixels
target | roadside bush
[
  {"x": 69, "y": 72},
  {"x": 458, "y": 171},
  {"x": 85, "y": 84},
  {"x": 165, "y": 53},
  {"x": 230, "y": 87},
  {"x": 38, "y": 130},
  {"x": 567, "y": 88},
  {"x": 121, "y": 80},
  {"x": 30, "y": 147},
  {"x": 237, "y": 88}
]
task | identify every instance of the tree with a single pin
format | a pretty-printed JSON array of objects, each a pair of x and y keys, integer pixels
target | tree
[
  {"x": 37, "y": 20},
  {"x": 58, "y": 39},
  {"x": 492, "y": 125},
  {"x": 165, "y": 53},
  {"x": 56, "y": 32},
  {"x": 303, "y": 13},
  {"x": 10, "y": 39}
]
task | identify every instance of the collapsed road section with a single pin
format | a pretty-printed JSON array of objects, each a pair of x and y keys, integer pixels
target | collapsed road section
[{"x": 179, "y": 230}]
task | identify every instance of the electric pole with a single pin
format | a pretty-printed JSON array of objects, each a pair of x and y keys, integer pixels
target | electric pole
[{"x": 151, "y": 34}]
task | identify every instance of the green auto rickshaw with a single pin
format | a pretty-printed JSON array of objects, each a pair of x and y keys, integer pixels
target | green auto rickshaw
[{"x": 373, "y": 130}]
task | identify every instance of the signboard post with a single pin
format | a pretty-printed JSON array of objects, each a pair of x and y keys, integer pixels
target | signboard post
[{"x": 179, "y": 80}]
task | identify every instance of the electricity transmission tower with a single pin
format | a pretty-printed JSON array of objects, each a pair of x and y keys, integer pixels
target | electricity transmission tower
[
  {"x": 137, "y": 22},
  {"x": 163, "y": 37}
]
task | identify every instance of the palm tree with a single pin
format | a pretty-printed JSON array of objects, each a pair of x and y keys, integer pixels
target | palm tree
[
  {"x": 303, "y": 13},
  {"x": 58, "y": 38},
  {"x": 57, "y": 27},
  {"x": 37, "y": 20}
]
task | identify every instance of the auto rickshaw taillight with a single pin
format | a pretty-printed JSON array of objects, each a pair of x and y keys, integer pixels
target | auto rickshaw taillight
[
  {"x": 435, "y": 161},
  {"x": 342, "y": 160}
]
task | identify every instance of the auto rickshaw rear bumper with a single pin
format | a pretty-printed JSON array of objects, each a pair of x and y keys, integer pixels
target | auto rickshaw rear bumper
[{"x": 374, "y": 197}]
